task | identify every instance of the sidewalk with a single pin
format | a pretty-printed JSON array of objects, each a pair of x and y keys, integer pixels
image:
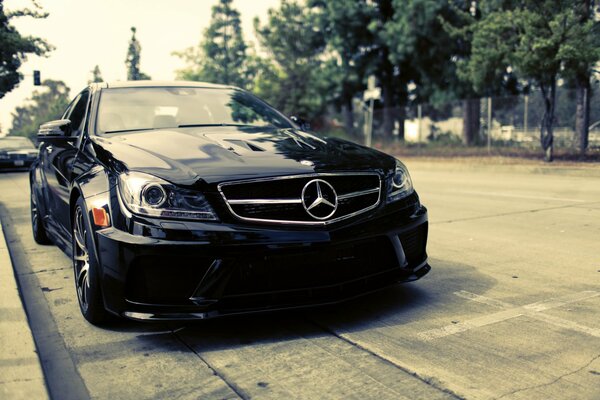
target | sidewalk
[{"x": 21, "y": 374}]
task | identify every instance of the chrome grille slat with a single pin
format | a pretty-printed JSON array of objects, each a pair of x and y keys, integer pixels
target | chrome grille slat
[
  {"x": 266, "y": 201},
  {"x": 257, "y": 200},
  {"x": 356, "y": 194}
]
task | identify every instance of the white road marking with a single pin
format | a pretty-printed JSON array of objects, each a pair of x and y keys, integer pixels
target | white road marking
[
  {"x": 510, "y": 311},
  {"x": 473, "y": 323},
  {"x": 561, "y": 301},
  {"x": 482, "y": 299},
  {"x": 535, "y": 308},
  {"x": 518, "y": 196}
]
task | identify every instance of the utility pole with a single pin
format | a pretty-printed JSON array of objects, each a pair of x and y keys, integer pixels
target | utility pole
[
  {"x": 370, "y": 94},
  {"x": 489, "y": 125},
  {"x": 525, "y": 115},
  {"x": 419, "y": 117}
]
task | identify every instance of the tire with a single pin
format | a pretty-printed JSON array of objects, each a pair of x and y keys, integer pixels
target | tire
[
  {"x": 37, "y": 226},
  {"x": 86, "y": 269}
]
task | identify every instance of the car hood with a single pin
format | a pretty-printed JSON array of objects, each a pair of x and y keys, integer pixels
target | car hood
[{"x": 217, "y": 154}]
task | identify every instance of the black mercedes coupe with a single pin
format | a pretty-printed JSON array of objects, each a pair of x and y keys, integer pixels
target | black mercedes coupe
[{"x": 187, "y": 200}]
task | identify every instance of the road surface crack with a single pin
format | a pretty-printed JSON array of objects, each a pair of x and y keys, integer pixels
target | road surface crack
[
  {"x": 553, "y": 381},
  {"x": 238, "y": 391},
  {"x": 450, "y": 221},
  {"x": 41, "y": 271},
  {"x": 427, "y": 380}
]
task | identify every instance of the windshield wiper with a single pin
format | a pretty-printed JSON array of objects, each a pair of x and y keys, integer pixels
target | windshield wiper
[
  {"x": 130, "y": 130},
  {"x": 202, "y": 125}
]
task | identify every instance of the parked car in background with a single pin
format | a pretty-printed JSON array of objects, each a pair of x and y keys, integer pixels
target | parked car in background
[
  {"x": 17, "y": 152},
  {"x": 187, "y": 200}
]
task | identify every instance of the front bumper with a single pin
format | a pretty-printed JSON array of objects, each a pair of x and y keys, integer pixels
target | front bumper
[
  {"x": 16, "y": 163},
  {"x": 185, "y": 271}
]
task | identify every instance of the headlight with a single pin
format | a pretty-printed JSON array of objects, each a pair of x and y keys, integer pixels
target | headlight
[
  {"x": 401, "y": 184},
  {"x": 148, "y": 195},
  {"x": 4, "y": 156}
]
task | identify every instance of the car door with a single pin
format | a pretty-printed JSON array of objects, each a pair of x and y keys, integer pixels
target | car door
[
  {"x": 48, "y": 177},
  {"x": 58, "y": 158}
]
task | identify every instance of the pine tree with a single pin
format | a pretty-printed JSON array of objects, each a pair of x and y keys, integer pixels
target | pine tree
[
  {"x": 133, "y": 59},
  {"x": 221, "y": 56},
  {"x": 96, "y": 75}
]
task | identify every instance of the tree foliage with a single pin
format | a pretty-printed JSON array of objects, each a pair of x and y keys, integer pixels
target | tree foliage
[
  {"x": 221, "y": 56},
  {"x": 345, "y": 26},
  {"x": 421, "y": 48},
  {"x": 132, "y": 61},
  {"x": 539, "y": 41},
  {"x": 293, "y": 77},
  {"x": 44, "y": 105},
  {"x": 14, "y": 47}
]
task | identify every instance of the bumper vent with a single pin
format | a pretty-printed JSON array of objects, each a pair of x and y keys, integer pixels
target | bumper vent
[{"x": 413, "y": 243}]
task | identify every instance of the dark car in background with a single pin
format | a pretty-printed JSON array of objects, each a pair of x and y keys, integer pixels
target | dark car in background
[
  {"x": 187, "y": 200},
  {"x": 17, "y": 152}
]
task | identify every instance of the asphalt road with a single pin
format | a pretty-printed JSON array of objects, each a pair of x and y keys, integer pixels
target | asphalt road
[{"x": 510, "y": 310}]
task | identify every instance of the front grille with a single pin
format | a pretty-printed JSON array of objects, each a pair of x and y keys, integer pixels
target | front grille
[{"x": 279, "y": 199}]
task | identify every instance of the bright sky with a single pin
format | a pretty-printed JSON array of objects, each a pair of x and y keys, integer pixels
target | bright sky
[{"x": 90, "y": 32}]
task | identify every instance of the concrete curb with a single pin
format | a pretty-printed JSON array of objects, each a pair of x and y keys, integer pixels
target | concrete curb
[{"x": 21, "y": 375}]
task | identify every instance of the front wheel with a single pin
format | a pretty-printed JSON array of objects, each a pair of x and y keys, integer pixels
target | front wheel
[
  {"x": 37, "y": 226},
  {"x": 85, "y": 267}
]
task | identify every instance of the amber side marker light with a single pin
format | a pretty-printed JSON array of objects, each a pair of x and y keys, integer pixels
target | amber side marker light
[{"x": 100, "y": 217}]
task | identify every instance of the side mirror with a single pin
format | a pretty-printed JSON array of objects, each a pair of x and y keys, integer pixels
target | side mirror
[
  {"x": 302, "y": 123},
  {"x": 55, "y": 130}
]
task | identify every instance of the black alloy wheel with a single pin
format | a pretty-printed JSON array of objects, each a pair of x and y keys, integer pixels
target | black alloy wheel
[
  {"x": 39, "y": 232},
  {"x": 85, "y": 268}
]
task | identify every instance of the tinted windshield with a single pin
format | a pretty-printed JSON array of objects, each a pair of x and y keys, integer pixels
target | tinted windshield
[
  {"x": 15, "y": 144},
  {"x": 129, "y": 109}
]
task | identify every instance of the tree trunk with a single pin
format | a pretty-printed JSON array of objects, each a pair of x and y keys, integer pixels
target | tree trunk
[
  {"x": 471, "y": 116},
  {"x": 582, "y": 114},
  {"x": 400, "y": 117},
  {"x": 547, "y": 127},
  {"x": 582, "y": 84},
  {"x": 386, "y": 11},
  {"x": 348, "y": 115},
  {"x": 388, "y": 110}
]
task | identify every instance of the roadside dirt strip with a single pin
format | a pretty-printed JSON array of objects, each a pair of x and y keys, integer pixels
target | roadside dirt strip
[{"x": 510, "y": 310}]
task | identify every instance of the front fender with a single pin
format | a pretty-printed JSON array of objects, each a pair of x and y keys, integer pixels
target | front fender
[
  {"x": 94, "y": 187},
  {"x": 36, "y": 187}
]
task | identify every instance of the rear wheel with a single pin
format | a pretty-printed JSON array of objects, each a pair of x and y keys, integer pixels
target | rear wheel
[
  {"x": 39, "y": 232},
  {"x": 85, "y": 267}
]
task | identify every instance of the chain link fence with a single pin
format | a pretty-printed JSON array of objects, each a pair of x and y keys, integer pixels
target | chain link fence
[{"x": 511, "y": 121}]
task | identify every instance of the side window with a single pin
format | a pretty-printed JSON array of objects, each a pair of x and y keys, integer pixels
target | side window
[{"x": 77, "y": 115}]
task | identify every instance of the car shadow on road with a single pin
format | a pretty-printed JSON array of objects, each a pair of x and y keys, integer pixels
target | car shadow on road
[{"x": 400, "y": 304}]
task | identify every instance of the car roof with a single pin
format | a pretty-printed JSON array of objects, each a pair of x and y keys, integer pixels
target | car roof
[{"x": 133, "y": 84}]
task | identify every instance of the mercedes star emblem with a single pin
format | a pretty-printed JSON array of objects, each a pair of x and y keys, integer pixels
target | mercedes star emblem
[{"x": 319, "y": 199}]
